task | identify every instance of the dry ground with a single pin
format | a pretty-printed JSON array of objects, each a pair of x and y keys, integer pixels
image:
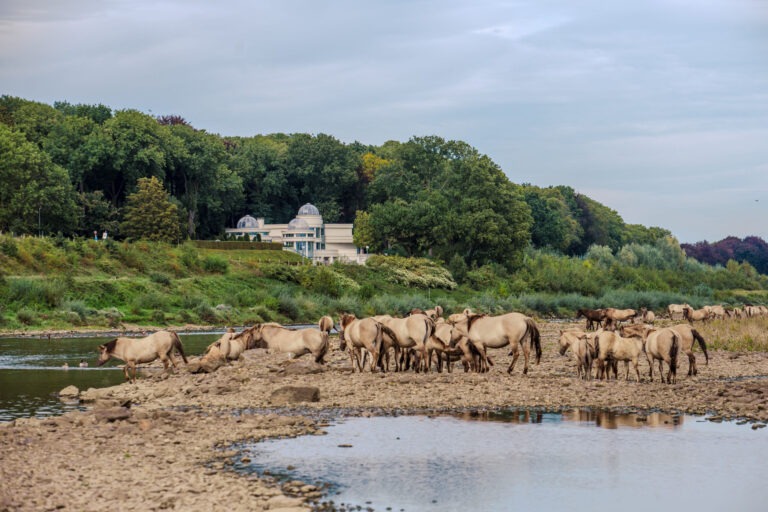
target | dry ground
[{"x": 166, "y": 451}]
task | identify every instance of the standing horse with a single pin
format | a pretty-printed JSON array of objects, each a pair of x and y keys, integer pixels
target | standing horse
[
  {"x": 325, "y": 324},
  {"x": 662, "y": 345},
  {"x": 410, "y": 332},
  {"x": 297, "y": 342},
  {"x": 582, "y": 348},
  {"x": 592, "y": 316},
  {"x": 145, "y": 350},
  {"x": 230, "y": 346},
  {"x": 695, "y": 315},
  {"x": 687, "y": 337},
  {"x": 610, "y": 345},
  {"x": 361, "y": 334},
  {"x": 614, "y": 316},
  {"x": 511, "y": 329}
]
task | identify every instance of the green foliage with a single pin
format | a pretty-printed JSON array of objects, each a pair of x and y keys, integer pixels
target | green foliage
[
  {"x": 418, "y": 272},
  {"x": 149, "y": 213},
  {"x": 215, "y": 264}
]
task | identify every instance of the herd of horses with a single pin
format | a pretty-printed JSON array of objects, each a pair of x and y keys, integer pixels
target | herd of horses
[{"x": 425, "y": 338}]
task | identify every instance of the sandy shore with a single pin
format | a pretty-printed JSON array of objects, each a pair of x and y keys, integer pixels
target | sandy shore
[{"x": 169, "y": 450}]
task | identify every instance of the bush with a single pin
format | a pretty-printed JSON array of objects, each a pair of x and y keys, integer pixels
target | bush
[
  {"x": 160, "y": 278},
  {"x": 215, "y": 264},
  {"x": 26, "y": 316},
  {"x": 158, "y": 316},
  {"x": 112, "y": 317},
  {"x": 206, "y": 313},
  {"x": 8, "y": 246},
  {"x": 34, "y": 292}
]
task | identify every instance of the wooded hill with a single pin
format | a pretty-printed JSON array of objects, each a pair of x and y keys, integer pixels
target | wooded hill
[{"x": 72, "y": 169}]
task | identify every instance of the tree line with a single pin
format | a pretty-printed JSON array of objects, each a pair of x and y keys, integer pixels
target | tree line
[
  {"x": 75, "y": 169},
  {"x": 752, "y": 249}
]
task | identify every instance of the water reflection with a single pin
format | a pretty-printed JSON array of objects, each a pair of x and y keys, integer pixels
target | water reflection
[
  {"x": 601, "y": 418},
  {"x": 526, "y": 459}
]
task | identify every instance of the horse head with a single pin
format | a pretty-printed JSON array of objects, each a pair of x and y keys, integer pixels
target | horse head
[{"x": 105, "y": 351}]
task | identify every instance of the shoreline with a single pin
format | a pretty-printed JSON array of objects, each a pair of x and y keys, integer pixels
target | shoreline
[{"x": 175, "y": 439}]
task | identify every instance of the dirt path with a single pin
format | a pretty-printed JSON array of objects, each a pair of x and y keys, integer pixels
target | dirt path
[{"x": 165, "y": 452}]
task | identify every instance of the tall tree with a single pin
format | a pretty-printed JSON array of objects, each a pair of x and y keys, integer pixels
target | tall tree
[
  {"x": 36, "y": 194},
  {"x": 150, "y": 214}
]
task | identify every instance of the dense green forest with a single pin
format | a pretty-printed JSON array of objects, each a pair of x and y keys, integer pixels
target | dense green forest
[{"x": 74, "y": 169}]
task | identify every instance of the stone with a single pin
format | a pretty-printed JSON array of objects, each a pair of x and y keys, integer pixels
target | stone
[
  {"x": 281, "y": 501},
  {"x": 303, "y": 368},
  {"x": 293, "y": 394},
  {"x": 69, "y": 392},
  {"x": 111, "y": 414}
]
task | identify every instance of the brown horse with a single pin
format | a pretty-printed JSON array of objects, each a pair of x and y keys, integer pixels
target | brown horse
[
  {"x": 592, "y": 316},
  {"x": 511, "y": 329},
  {"x": 145, "y": 350},
  {"x": 582, "y": 348},
  {"x": 410, "y": 332},
  {"x": 695, "y": 315}
]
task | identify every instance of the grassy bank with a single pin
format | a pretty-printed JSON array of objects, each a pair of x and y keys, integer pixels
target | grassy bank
[{"x": 58, "y": 283}]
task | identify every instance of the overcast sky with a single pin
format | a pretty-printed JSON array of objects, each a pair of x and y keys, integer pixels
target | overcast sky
[{"x": 657, "y": 108}]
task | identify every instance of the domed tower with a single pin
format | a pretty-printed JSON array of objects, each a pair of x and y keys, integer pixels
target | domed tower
[
  {"x": 311, "y": 215},
  {"x": 248, "y": 222}
]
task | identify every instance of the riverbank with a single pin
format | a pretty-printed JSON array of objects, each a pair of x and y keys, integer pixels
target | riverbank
[{"x": 171, "y": 448}]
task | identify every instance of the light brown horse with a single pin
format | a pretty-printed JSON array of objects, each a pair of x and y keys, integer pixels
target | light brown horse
[
  {"x": 511, "y": 329},
  {"x": 583, "y": 349},
  {"x": 144, "y": 350},
  {"x": 325, "y": 324},
  {"x": 611, "y": 345},
  {"x": 696, "y": 315},
  {"x": 360, "y": 334},
  {"x": 296, "y": 342},
  {"x": 613, "y": 317},
  {"x": 662, "y": 345},
  {"x": 689, "y": 335},
  {"x": 410, "y": 332},
  {"x": 230, "y": 346},
  {"x": 676, "y": 311}
]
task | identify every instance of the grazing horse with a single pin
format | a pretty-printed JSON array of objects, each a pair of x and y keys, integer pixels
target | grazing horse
[
  {"x": 647, "y": 316},
  {"x": 611, "y": 345},
  {"x": 662, "y": 345},
  {"x": 582, "y": 348},
  {"x": 144, "y": 350},
  {"x": 614, "y": 316},
  {"x": 687, "y": 336},
  {"x": 297, "y": 342},
  {"x": 361, "y": 334},
  {"x": 592, "y": 316},
  {"x": 511, "y": 329},
  {"x": 230, "y": 346},
  {"x": 325, "y": 324},
  {"x": 694, "y": 315}
]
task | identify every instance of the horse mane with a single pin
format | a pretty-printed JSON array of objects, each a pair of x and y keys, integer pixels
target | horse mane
[
  {"x": 472, "y": 317},
  {"x": 110, "y": 346}
]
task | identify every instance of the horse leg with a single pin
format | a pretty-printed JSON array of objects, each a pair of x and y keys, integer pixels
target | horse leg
[
  {"x": 133, "y": 367},
  {"x": 515, "y": 356},
  {"x": 692, "y": 370}
]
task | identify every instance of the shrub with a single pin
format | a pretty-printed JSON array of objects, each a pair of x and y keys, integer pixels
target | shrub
[
  {"x": 26, "y": 316},
  {"x": 158, "y": 315},
  {"x": 206, "y": 313},
  {"x": 215, "y": 264},
  {"x": 160, "y": 278},
  {"x": 8, "y": 246},
  {"x": 112, "y": 316}
]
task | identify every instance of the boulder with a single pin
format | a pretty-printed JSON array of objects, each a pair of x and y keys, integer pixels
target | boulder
[
  {"x": 205, "y": 365},
  {"x": 69, "y": 392},
  {"x": 294, "y": 394}
]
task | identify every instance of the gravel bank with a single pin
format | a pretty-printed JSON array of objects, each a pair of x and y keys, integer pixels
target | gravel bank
[{"x": 168, "y": 450}]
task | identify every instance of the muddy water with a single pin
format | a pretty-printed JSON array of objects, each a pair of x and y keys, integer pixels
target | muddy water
[{"x": 579, "y": 460}]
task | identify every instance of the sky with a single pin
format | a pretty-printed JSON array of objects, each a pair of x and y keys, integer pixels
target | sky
[{"x": 658, "y": 109}]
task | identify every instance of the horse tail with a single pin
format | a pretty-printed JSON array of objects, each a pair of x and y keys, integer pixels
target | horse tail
[
  {"x": 177, "y": 345},
  {"x": 323, "y": 347},
  {"x": 702, "y": 343},
  {"x": 533, "y": 332},
  {"x": 430, "y": 328},
  {"x": 379, "y": 344},
  {"x": 673, "y": 351}
]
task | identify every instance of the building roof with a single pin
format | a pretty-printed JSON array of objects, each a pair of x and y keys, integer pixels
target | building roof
[
  {"x": 309, "y": 209},
  {"x": 247, "y": 222},
  {"x": 298, "y": 224}
]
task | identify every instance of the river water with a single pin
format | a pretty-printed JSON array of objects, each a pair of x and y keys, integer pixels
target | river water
[
  {"x": 31, "y": 372},
  {"x": 575, "y": 461}
]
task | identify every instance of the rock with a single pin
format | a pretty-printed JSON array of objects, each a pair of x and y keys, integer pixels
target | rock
[
  {"x": 69, "y": 392},
  {"x": 280, "y": 502},
  {"x": 205, "y": 365},
  {"x": 112, "y": 414},
  {"x": 303, "y": 368},
  {"x": 293, "y": 394}
]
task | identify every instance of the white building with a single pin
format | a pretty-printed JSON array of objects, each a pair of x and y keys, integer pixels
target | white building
[{"x": 306, "y": 235}]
